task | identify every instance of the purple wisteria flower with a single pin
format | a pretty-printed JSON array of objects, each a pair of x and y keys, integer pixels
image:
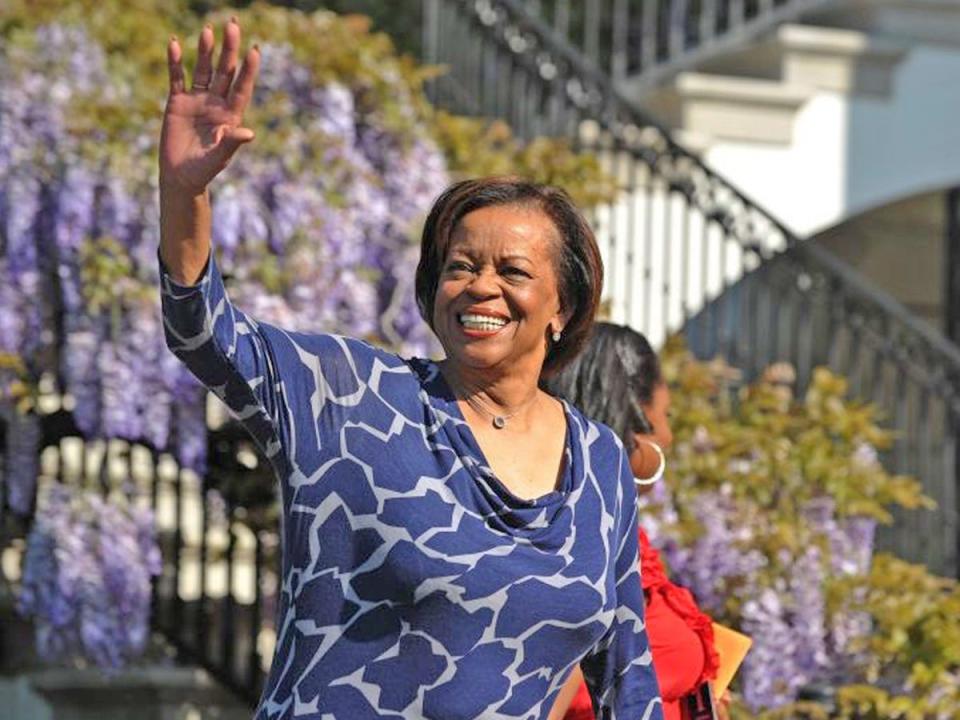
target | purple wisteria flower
[
  {"x": 314, "y": 229},
  {"x": 770, "y": 674},
  {"x": 20, "y": 463},
  {"x": 721, "y": 558},
  {"x": 850, "y": 542},
  {"x": 781, "y": 598},
  {"x": 87, "y": 576}
]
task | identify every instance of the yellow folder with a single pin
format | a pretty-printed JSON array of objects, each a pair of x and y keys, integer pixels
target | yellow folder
[{"x": 732, "y": 648}]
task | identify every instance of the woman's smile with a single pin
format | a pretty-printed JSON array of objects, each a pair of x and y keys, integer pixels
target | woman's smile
[{"x": 480, "y": 323}]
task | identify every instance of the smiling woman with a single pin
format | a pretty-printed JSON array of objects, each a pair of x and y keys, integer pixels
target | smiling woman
[
  {"x": 563, "y": 251},
  {"x": 455, "y": 540},
  {"x": 509, "y": 280}
]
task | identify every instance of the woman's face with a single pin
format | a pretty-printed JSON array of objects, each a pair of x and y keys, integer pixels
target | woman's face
[
  {"x": 497, "y": 300},
  {"x": 643, "y": 459}
]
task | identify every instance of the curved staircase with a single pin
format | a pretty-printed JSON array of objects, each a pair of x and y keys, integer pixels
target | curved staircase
[{"x": 685, "y": 249}]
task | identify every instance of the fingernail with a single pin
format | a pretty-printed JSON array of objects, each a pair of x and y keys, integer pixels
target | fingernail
[
  {"x": 208, "y": 26},
  {"x": 256, "y": 46},
  {"x": 173, "y": 38},
  {"x": 233, "y": 19}
]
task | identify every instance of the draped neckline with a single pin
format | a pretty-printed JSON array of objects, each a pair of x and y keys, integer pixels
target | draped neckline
[{"x": 519, "y": 515}]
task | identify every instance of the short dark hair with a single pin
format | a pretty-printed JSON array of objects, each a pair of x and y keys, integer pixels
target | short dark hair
[
  {"x": 579, "y": 267},
  {"x": 612, "y": 379}
]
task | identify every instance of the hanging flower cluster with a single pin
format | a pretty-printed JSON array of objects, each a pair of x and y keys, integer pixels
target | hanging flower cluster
[
  {"x": 779, "y": 592},
  {"x": 87, "y": 576},
  {"x": 769, "y": 515}
]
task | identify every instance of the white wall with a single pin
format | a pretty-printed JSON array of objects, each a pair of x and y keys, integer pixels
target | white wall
[{"x": 853, "y": 153}]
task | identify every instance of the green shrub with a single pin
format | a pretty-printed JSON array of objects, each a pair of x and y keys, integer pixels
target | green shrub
[{"x": 768, "y": 517}]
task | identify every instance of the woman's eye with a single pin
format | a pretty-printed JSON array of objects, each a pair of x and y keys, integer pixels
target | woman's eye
[
  {"x": 458, "y": 266},
  {"x": 515, "y": 271}
]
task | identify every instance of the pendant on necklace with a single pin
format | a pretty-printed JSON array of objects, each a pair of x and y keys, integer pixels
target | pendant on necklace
[{"x": 499, "y": 422}]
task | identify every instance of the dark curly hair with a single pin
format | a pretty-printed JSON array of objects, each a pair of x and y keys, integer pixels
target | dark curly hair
[
  {"x": 578, "y": 264},
  {"x": 612, "y": 379}
]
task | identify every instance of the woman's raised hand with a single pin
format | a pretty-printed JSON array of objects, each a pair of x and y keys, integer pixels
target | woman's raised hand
[{"x": 203, "y": 126}]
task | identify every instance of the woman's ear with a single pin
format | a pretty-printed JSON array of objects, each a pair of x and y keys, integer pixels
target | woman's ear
[{"x": 560, "y": 320}]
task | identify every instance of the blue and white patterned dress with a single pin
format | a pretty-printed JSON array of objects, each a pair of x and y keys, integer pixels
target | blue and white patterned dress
[{"x": 415, "y": 585}]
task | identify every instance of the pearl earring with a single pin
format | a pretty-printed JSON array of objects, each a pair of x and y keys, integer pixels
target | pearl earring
[{"x": 556, "y": 336}]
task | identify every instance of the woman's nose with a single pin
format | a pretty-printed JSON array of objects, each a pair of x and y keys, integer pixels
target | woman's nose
[
  {"x": 667, "y": 438},
  {"x": 484, "y": 284}
]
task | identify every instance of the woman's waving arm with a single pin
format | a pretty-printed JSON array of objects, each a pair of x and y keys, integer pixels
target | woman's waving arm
[{"x": 231, "y": 354}]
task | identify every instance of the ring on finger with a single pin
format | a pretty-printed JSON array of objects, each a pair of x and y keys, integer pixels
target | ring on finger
[{"x": 202, "y": 85}]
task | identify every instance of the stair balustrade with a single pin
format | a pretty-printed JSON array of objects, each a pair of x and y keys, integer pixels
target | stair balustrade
[
  {"x": 647, "y": 40},
  {"x": 685, "y": 250},
  {"x": 215, "y": 599}
]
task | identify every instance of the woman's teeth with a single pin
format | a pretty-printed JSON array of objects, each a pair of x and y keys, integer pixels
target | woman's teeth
[{"x": 481, "y": 322}]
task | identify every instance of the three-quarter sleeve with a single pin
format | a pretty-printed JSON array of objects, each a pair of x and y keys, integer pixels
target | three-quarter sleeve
[
  {"x": 619, "y": 670},
  {"x": 229, "y": 353}
]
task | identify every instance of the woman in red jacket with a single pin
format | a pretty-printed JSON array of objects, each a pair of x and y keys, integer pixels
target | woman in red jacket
[{"x": 617, "y": 380}]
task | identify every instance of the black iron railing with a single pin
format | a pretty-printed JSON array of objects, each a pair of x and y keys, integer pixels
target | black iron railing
[
  {"x": 684, "y": 249},
  {"x": 952, "y": 267},
  {"x": 215, "y": 598},
  {"x": 646, "y": 40}
]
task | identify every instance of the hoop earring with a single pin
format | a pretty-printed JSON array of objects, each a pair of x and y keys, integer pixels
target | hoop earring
[{"x": 643, "y": 482}]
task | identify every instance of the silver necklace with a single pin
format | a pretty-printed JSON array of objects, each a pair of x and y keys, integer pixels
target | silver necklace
[{"x": 498, "y": 420}]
